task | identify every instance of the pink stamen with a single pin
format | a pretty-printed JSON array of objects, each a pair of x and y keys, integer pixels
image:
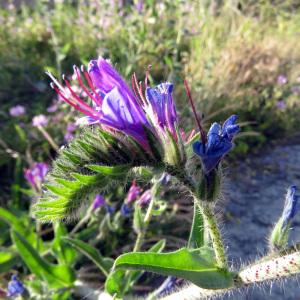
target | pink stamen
[
  {"x": 84, "y": 87},
  {"x": 78, "y": 99},
  {"x": 58, "y": 91},
  {"x": 147, "y": 75},
  {"x": 198, "y": 120}
]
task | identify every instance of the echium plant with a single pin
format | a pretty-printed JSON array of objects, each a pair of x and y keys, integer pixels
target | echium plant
[{"x": 130, "y": 134}]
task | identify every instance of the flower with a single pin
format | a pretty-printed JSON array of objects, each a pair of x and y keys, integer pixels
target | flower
[
  {"x": 290, "y": 206},
  {"x": 219, "y": 143},
  {"x": 126, "y": 210},
  {"x": 36, "y": 175},
  {"x": 280, "y": 104},
  {"x": 161, "y": 108},
  {"x": 133, "y": 193},
  {"x": 98, "y": 201},
  {"x": 71, "y": 127},
  {"x": 40, "y": 120},
  {"x": 17, "y": 111},
  {"x": 15, "y": 287},
  {"x": 117, "y": 107},
  {"x": 282, "y": 79},
  {"x": 109, "y": 209},
  {"x": 145, "y": 198},
  {"x": 52, "y": 108}
]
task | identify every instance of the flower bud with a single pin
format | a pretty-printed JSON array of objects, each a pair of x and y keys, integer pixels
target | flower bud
[{"x": 280, "y": 233}]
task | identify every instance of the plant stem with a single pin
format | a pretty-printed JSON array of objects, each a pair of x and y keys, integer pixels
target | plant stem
[
  {"x": 48, "y": 138},
  {"x": 210, "y": 222},
  {"x": 141, "y": 235}
]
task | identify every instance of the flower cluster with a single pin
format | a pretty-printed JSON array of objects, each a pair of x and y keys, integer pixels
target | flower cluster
[
  {"x": 36, "y": 174},
  {"x": 135, "y": 113}
]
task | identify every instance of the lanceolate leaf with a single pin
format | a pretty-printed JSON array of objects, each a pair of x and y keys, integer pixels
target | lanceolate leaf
[
  {"x": 56, "y": 276},
  {"x": 116, "y": 282},
  {"x": 92, "y": 163},
  {"x": 196, "y": 239},
  {"x": 104, "y": 264},
  {"x": 195, "y": 266}
]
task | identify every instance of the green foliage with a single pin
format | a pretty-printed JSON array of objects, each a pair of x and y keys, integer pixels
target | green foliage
[
  {"x": 103, "y": 263},
  {"x": 57, "y": 276},
  {"x": 93, "y": 162},
  {"x": 196, "y": 266}
]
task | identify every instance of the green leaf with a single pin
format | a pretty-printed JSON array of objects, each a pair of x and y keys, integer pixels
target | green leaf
[
  {"x": 8, "y": 259},
  {"x": 93, "y": 162},
  {"x": 113, "y": 171},
  {"x": 64, "y": 252},
  {"x": 21, "y": 224},
  {"x": 195, "y": 266},
  {"x": 104, "y": 264},
  {"x": 56, "y": 276},
  {"x": 196, "y": 239},
  {"x": 116, "y": 283}
]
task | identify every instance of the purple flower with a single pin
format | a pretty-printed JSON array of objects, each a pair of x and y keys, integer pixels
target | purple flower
[
  {"x": 290, "y": 206},
  {"x": 140, "y": 6},
  {"x": 145, "y": 198},
  {"x": 15, "y": 287},
  {"x": 219, "y": 143},
  {"x": 36, "y": 175},
  {"x": 40, "y": 120},
  {"x": 281, "y": 79},
  {"x": 133, "y": 193},
  {"x": 98, "y": 201},
  {"x": 162, "y": 111},
  {"x": 17, "y": 111},
  {"x": 280, "y": 104},
  {"x": 115, "y": 105},
  {"x": 71, "y": 127},
  {"x": 295, "y": 90}
]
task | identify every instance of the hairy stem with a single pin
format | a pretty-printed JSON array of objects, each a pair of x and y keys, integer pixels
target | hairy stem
[{"x": 211, "y": 224}]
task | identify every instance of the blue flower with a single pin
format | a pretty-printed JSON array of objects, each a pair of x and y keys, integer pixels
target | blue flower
[
  {"x": 126, "y": 210},
  {"x": 109, "y": 209},
  {"x": 219, "y": 142},
  {"x": 290, "y": 206},
  {"x": 15, "y": 287}
]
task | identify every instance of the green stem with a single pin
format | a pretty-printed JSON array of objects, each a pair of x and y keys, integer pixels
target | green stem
[
  {"x": 211, "y": 224},
  {"x": 141, "y": 235}
]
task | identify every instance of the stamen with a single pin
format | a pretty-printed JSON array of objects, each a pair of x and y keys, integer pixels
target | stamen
[
  {"x": 198, "y": 120},
  {"x": 90, "y": 82},
  {"x": 59, "y": 92},
  {"x": 84, "y": 87},
  {"x": 138, "y": 90},
  {"x": 147, "y": 75},
  {"x": 79, "y": 101}
]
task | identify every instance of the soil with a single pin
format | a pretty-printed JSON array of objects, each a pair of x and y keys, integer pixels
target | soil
[{"x": 254, "y": 196}]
